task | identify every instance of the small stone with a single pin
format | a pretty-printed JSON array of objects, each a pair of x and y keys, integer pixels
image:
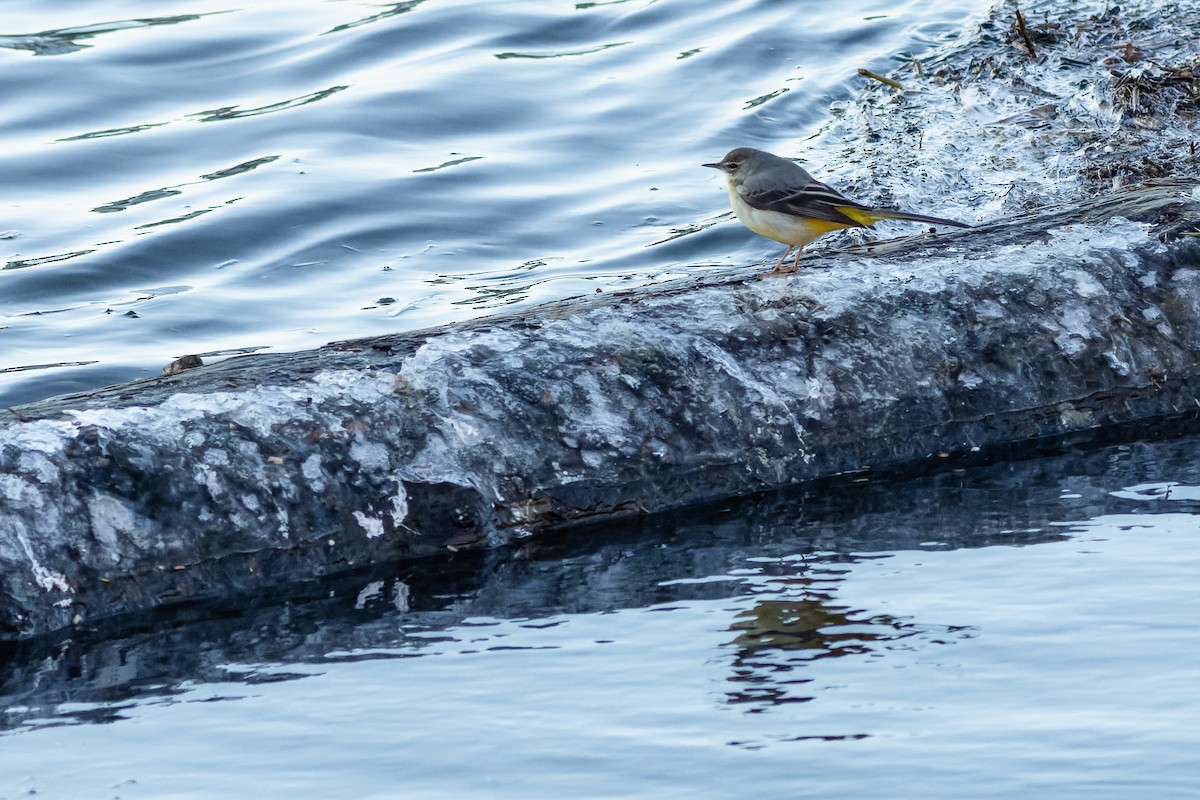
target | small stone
[{"x": 182, "y": 363}]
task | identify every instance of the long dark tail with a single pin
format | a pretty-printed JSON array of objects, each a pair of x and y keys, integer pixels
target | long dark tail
[
  {"x": 869, "y": 216},
  {"x": 883, "y": 213}
]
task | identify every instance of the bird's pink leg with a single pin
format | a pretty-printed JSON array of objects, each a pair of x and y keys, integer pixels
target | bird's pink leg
[
  {"x": 779, "y": 264},
  {"x": 779, "y": 270}
]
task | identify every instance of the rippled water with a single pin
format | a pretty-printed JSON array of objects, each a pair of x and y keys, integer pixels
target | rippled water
[
  {"x": 224, "y": 179},
  {"x": 1023, "y": 630},
  {"x": 282, "y": 174}
]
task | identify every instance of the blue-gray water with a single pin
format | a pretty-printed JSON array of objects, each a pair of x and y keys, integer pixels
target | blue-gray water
[
  {"x": 216, "y": 178},
  {"x": 182, "y": 178}
]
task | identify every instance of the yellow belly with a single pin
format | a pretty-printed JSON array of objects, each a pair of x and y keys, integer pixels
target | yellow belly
[{"x": 785, "y": 228}]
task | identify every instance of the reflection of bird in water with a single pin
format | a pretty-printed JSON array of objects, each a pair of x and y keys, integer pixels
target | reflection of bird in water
[
  {"x": 803, "y": 624},
  {"x": 776, "y": 636}
]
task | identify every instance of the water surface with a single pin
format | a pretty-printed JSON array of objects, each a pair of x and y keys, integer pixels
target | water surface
[{"x": 199, "y": 178}]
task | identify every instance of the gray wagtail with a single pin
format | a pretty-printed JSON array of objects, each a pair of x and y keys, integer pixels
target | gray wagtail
[{"x": 776, "y": 198}]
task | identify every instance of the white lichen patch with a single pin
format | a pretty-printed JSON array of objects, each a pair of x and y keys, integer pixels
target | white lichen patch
[
  {"x": 48, "y": 579},
  {"x": 113, "y": 523},
  {"x": 260, "y": 408},
  {"x": 212, "y": 481},
  {"x": 1075, "y": 328},
  {"x": 371, "y": 526},
  {"x": 372, "y": 456},
  {"x": 38, "y": 466},
  {"x": 1086, "y": 286},
  {"x": 399, "y": 503},
  {"x": 374, "y": 524},
  {"x": 372, "y": 591},
  {"x": 314, "y": 472}
]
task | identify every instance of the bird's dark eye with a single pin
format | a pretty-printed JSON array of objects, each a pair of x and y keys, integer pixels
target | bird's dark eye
[{"x": 731, "y": 165}]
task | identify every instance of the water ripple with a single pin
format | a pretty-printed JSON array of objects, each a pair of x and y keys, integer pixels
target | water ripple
[
  {"x": 68, "y": 40},
  {"x": 456, "y": 158}
]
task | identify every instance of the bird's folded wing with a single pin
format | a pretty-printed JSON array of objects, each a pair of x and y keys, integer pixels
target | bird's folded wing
[{"x": 814, "y": 201}]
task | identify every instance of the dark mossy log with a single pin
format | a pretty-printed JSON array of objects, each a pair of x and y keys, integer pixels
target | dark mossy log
[
  {"x": 397, "y": 608},
  {"x": 275, "y": 469}
]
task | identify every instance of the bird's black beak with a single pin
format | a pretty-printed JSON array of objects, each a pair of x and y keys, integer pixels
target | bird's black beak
[{"x": 714, "y": 166}]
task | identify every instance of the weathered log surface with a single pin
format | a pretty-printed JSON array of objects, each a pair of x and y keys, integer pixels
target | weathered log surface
[
  {"x": 281, "y": 468},
  {"x": 631, "y": 566}
]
